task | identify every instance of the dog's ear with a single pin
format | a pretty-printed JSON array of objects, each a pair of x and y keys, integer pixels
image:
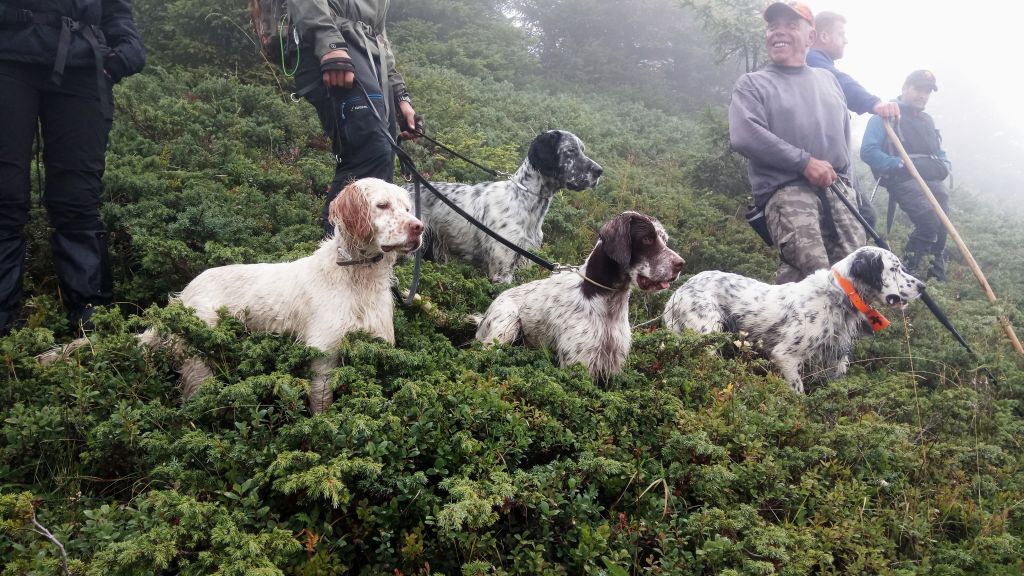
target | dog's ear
[
  {"x": 617, "y": 240},
  {"x": 543, "y": 153},
  {"x": 867, "y": 267},
  {"x": 351, "y": 213}
]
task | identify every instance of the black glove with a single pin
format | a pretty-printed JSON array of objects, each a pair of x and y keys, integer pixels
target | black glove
[
  {"x": 114, "y": 66},
  {"x": 343, "y": 64},
  {"x": 417, "y": 129}
]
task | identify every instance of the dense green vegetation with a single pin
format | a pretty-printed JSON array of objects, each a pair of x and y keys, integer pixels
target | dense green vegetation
[{"x": 440, "y": 457}]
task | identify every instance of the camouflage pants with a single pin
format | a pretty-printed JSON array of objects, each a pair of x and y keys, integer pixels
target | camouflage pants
[{"x": 803, "y": 235}]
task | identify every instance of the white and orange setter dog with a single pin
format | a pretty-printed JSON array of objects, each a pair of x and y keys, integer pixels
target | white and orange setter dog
[{"x": 343, "y": 287}]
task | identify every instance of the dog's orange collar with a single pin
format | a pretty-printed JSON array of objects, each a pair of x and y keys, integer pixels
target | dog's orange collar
[{"x": 878, "y": 322}]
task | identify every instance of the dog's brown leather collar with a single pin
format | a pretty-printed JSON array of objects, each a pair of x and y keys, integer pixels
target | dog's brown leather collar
[{"x": 878, "y": 322}]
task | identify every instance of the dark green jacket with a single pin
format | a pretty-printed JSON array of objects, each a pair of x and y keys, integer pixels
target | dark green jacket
[{"x": 327, "y": 25}]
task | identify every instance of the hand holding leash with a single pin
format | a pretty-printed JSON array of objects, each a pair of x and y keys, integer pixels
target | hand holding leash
[
  {"x": 337, "y": 69},
  {"x": 410, "y": 123}
]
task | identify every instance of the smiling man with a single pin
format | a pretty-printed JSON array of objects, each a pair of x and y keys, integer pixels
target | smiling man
[{"x": 790, "y": 121}]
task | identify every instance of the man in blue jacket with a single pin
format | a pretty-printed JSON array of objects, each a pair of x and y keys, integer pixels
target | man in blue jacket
[
  {"x": 58, "y": 62},
  {"x": 923, "y": 143},
  {"x": 829, "y": 47}
]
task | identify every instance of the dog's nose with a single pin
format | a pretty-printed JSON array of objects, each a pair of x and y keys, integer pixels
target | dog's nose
[
  {"x": 598, "y": 171},
  {"x": 416, "y": 227},
  {"x": 677, "y": 264}
]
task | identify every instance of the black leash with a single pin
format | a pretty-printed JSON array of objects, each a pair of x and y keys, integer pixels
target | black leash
[
  {"x": 925, "y": 297},
  {"x": 491, "y": 171},
  {"x": 409, "y": 165}
]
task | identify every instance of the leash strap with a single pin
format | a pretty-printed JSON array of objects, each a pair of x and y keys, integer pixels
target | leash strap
[
  {"x": 878, "y": 322},
  {"x": 490, "y": 171},
  {"x": 414, "y": 286}
]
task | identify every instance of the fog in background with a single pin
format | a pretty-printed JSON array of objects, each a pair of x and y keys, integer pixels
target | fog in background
[{"x": 972, "y": 49}]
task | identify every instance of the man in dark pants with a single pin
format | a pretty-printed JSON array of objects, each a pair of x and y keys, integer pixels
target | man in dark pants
[
  {"x": 916, "y": 131},
  {"x": 351, "y": 48},
  {"x": 57, "y": 67}
]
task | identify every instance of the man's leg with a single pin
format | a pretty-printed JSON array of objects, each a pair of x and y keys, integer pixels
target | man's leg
[
  {"x": 849, "y": 233},
  {"x": 19, "y": 110},
  {"x": 357, "y": 136},
  {"x": 927, "y": 226},
  {"x": 794, "y": 219},
  {"x": 75, "y": 127}
]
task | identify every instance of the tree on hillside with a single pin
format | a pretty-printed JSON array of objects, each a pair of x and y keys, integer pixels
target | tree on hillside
[
  {"x": 654, "y": 45},
  {"x": 736, "y": 27}
]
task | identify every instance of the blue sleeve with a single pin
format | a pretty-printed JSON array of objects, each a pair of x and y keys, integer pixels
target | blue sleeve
[
  {"x": 122, "y": 36},
  {"x": 873, "y": 151},
  {"x": 942, "y": 151},
  {"x": 858, "y": 99}
]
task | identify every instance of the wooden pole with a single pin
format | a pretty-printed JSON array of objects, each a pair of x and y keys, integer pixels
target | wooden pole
[{"x": 953, "y": 234}]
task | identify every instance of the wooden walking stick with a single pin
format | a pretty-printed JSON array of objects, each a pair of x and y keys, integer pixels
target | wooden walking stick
[{"x": 953, "y": 234}]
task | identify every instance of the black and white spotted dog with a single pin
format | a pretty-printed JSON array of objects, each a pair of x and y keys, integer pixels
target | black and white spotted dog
[
  {"x": 514, "y": 208},
  {"x": 584, "y": 317},
  {"x": 812, "y": 320}
]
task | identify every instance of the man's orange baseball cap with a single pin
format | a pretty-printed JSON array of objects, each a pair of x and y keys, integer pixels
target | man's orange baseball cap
[{"x": 797, "y": 9}]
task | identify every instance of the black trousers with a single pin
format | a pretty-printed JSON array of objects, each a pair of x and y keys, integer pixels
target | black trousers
[
  {"x": 929, "y": 235},
  {"x": 75, "y": 126},
  {"x": 359, "y": 144}
]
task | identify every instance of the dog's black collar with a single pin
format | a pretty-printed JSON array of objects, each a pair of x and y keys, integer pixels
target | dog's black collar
[{"x": 370, "y": 260}]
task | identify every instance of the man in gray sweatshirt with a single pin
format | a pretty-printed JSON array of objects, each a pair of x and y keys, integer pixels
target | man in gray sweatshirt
[{"x": 790, "y": 121}]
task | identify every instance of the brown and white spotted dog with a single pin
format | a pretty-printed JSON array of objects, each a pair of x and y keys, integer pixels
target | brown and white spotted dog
[
  {"x": 586, "y": 320},
  {"x": 514, "y": 208},
  {"x": 814, "y": 320}
]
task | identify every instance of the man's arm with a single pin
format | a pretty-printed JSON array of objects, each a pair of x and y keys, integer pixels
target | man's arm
[
  {"x": 127, "y": 54},
  {"x": 317, "y": 25},
  {"x": 872, "y": 149},
  {"x": 750, "y": 136},
  {"x": 858, "y": 99}
]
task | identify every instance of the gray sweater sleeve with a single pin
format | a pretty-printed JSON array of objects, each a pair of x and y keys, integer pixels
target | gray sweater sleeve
[{"x": 750, "y": 136}]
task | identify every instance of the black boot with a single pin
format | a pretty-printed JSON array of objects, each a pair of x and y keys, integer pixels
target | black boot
[
  {"x": 912, "y": 262},
  {"x": 12, "y": 270},
  {"x": 938, "y": 268},
  {"x": 83, "y": 271}
]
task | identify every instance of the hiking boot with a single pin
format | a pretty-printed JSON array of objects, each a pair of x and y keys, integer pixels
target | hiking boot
[
  {"x": 80, "y": 318},
  {"x": 938, "y": 268},
  {"x": 912, "y": 262},
  {"x": 8, "y": 319}
]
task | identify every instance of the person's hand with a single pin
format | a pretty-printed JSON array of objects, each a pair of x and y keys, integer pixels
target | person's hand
[
  {"x": 409, "y": 125},
  {"x": 337, "y": 69},
  {"x": 820, "y": 173},
  {"x": 890, "y": 110}
]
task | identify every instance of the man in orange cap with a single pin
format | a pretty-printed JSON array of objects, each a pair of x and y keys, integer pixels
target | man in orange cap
[{"x": 790, "y": 121}]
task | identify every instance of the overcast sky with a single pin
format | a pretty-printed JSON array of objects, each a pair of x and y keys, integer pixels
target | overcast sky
[{"x": 973, "y": 48}]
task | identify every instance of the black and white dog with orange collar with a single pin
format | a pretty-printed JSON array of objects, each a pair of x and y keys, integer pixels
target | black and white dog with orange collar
[{"x": 815, "y": 320}]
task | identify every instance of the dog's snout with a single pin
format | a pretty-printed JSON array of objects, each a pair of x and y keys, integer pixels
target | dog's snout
[
  {"x": 677, "y": 263},
  {"x": 597, "y": 171},
  {"x": 416, "y": 227}
]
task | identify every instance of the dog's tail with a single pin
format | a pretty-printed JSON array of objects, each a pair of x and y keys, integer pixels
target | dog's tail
[{"x": 62, "y": 352}]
